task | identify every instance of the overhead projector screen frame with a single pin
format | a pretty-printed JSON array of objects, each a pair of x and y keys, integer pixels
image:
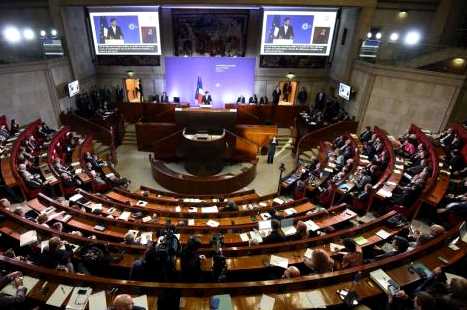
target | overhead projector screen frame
[
  {"x": 328, "y": 28},
  {"x": 150, "y": 19}
]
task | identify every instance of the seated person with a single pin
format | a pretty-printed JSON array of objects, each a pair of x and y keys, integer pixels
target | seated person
[
  {"x": 14, "y": 127},
  {"x": 45, "y": 131},
  {"x": 435, "y": 231},
  {"x": 276, "y": 234},
  {"x": 4, "y": 133},
  {"x": 190, "y": 260},
  {"x": 130, "y": 238},
  {"x": 457, "y": 205},
  {"x": 54, "y": 256},
  {"x": 400, "y": 245},
  {"x": 301, "y": 231},
  {"x": 366, "y": 134},
  {"x": 31, "y": 180},
  {"x": 230, "y": 206},
  {"x": 291, "y": 272},
  {"x": 351, "y": 255},
  {"x": 11, "y": 302},
  {"x": 124, "y": 302},
  {"x": 320, "y": 261}
]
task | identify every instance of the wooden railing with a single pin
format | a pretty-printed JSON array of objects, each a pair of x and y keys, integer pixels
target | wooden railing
[
  {"x": 327, "y": 133},
  {"x": 107, "y": 136}
]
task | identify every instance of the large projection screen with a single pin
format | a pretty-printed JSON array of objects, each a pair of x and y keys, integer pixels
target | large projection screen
[
  {"x": 304, "y": 32},
  {"x": 125, "y": 30}
]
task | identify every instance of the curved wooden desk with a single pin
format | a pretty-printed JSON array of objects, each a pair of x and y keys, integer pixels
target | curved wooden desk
[{"x": 187, "y": 184}]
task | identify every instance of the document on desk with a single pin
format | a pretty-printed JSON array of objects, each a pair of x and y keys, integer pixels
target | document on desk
[
  {"x": 141, "y": 301},
  {"x": 212, "y": 209},
  {"x": 28, "y": 283},
  {"x": 178, "y": 209},
  {"x": 221, "y": 302},
  {"x": 279, "y": 261},
  {"x": 312, "y": 300},
  {"x": 383, "y": 234},
  {"x": 308, "y": 253},
  {"x": 124, "y": 216},
  {"x": 97, "y": 301},
  {"x": 267, "y": 302},
  {"x": 360, "y": 240},
  {"x": 244, "y": 237},
  {"x": 264, "y": 225},
  {"x": 146, "y": 237},
  {"x": 28, "y": 238},
  {"x": 310, "y": 225},
  {"x": 336, "y": 247},
  {"x": 193, "y": 209},
  {"x": 59, "y": 296},
  {"x": 290, "y": 211},
  {"x": 79, "y": 298},
  {"x": 212, "y": 223}
]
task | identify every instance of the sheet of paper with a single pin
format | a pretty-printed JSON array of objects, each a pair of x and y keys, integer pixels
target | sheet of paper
[
  {"x": 97, "y": 301},
  {"x": 279, "y": 261},
  {"x": 212, "y": 223},
  {"x": 28, "y": 238},
  {"x": 44, "y": 245},
  {"x": 191, "y": 222},
  {"x": 267, "y": 302},
  {"x": 360, "y": 240},
  {"x": 289, "y": 230},
  {"x": 310, "y": 225},
  {"x": 59, "y": 296},
  {"x": 290, "y": 211},
  {"x": 264, "y": 225},
  {"x": 146, "y": 219},
  {"x": 124, "y": 216},
  {"x": 75, "y": 197},
  {"x": 178, "y": 209},
  {"x": 263, "y": 204},
  {"x": 212, "y": 209},
  {"x": 312, "y": 300},
  {"x": 146, "y": 237},
  {"x": 193, "y": 209},
  {"x": 308, "y": 253},
  {"x": 383, "y": 234},
  {"x": 335, "y": 247},
  {"x": 141, "y": 301},
  {"x": 278, "y": 200},
  {"x": 265, "y": 216},
  {"x": 256, "y": 236},
  {"x": 244, "y": 237}
]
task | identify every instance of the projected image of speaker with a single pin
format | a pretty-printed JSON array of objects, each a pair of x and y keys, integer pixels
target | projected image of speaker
[
  {"x": 176, "y": 99},
  {"x": 73, "y": 88}
]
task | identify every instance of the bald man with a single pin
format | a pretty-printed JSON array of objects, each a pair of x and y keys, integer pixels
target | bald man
[{"x": 124, "y": 302}]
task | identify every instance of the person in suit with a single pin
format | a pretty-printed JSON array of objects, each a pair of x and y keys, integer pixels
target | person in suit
[
  {"x": 207, "y": 98},
  {"x": 241, "y": 99},
  {"x": 320, "y": 101},
  {"x": 114, "y": 32},
  {"x": 302, "y": 96},
  {"x": 286, "y": 30},
  {"x": 164, "y": 97},
  {"x": 10, "y": 302},
  {"x": 276, "y": 95},
  {"x": 124, "y": 302},
  {"x": 261, "y": 100},
  {"x": 253, "y": 100},
  {"x": 276, "y": 234},
  {"x": 156, "y": 99},
  {"x": 272, "y": 150},
  {"x": 286, "y": 90}
]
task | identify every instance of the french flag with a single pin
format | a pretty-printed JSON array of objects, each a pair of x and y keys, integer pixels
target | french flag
[{"x": 199, "y": 94}]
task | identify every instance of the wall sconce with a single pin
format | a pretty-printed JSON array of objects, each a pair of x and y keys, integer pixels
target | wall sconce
[{"x": 290, "y": 76}]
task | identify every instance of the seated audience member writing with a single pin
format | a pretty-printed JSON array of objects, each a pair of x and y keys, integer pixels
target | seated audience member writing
[
  {"x": 14, "y": 127},
  {"x": 124, "y": 302},
  {"x": 320, "y": 261},
  {"x": 12, "y": 302}
]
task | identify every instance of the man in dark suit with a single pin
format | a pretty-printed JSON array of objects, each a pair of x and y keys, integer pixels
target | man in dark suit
[
  {"x": 253, "y": 100},
  {"x": 286, "y": 30},
  {"x": 207, "y": 98},
  {"x": 241, "y": 99},
  {"x": 164, "y": 97},
  {"x": 276, "y": 94},
  {"x": 114, "y": 32}
]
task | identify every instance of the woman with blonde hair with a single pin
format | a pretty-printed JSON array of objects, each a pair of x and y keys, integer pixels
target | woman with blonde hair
[{"x": 320, "y": 261}]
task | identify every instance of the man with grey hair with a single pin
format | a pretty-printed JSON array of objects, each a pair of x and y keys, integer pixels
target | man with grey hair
[{"x": 124, "y": 302}]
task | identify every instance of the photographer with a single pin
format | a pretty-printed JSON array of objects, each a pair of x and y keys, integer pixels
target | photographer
[{"x": 190, "y": 261}]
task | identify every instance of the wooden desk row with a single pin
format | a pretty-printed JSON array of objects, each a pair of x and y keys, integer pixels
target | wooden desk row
[{"x": 395, "y": 265}]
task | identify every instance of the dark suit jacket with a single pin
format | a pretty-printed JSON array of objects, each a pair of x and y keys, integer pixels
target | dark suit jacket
[
  {"x": 117, "y": 35},
  {"x": 164, "y": 98},
  {"x": 9, "y": 302},
  {"x": 286, "y": 34}
]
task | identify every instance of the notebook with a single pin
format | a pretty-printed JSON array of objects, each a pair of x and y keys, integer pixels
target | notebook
[
  {"x": 360, "y": 240},
  {"x": 264, "y": 225},
  {"x": 212, "y": 223},
  {"x": 383, "y": 234}
]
